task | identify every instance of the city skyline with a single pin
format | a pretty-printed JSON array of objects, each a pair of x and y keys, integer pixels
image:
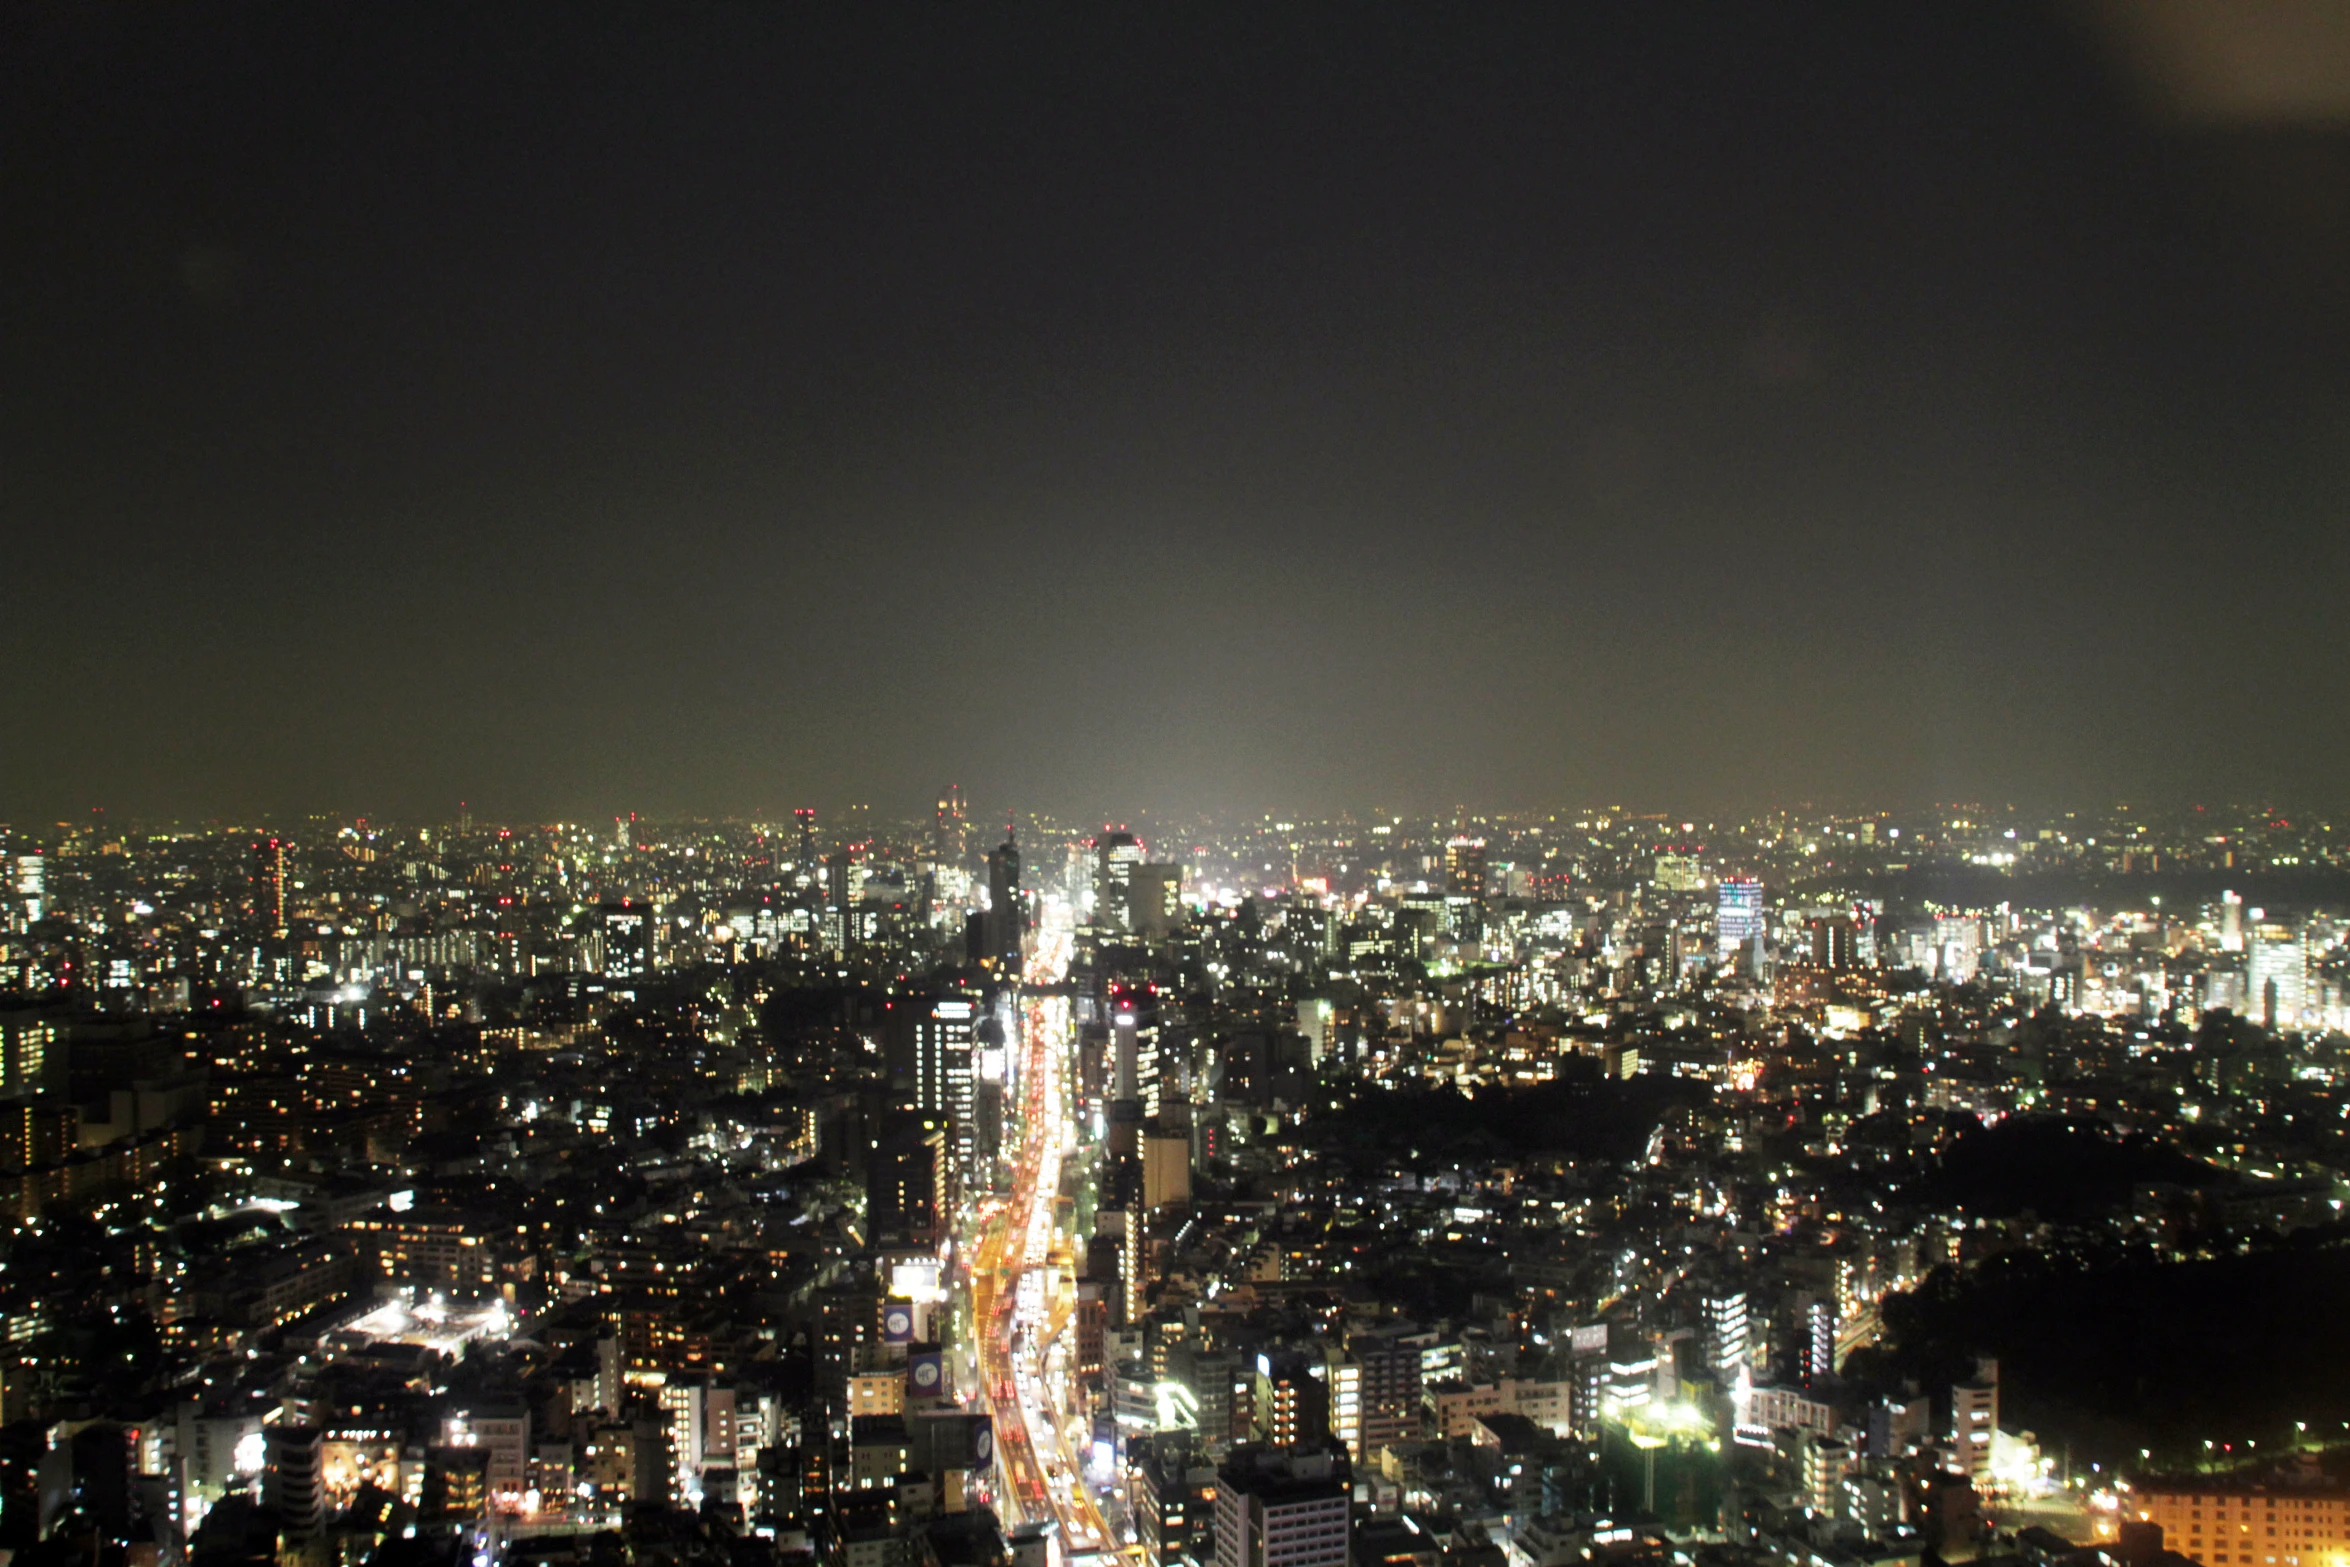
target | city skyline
[{"x": 1261, "y": 783}]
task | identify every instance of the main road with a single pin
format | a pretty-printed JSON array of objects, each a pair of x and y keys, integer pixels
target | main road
[{"x": 1022, "y": 1282}]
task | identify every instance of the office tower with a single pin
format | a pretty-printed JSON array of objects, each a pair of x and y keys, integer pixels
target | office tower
[
  {"x": 1830, "y": 941},
  {"x": 32, "y": 882},
  {"x": 1726, "y": 1335},
  {"x": 268, "y": 896},
  {"x": 1154, "y": 899},
  {"x": 2276, "y": 975},
  {"x": 628, "y": 940},
  {"x": 804, "y": 830},
  {"x": 30, "y": 1055},
  {"x": 1005, "y": 925},
  {"x": 1388, "y": 1360},
  {"x": 1283, "y": 1509},
  {"x": 1344, "y": 1380},
  {"x": 2231, "y": 922},
  {"x": 1464, "y": 868},
  {"x": 843, "y": 881},
  {"x": 1738, "y": 913},
  {"x": 1124, "y": 1225},
  {"x": 1115, "y": 857},
  {"x": 950, "y": 834},
  {"x": 946, "y": 1077},
  {"x": 910, "y": 1181},
  {"x": 1958, "y": 946},
  {"x": 1125, "y": 1051},
  {"x": 1464, "y": 888}
]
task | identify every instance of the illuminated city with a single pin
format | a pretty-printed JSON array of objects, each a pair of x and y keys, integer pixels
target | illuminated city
[
  {"x": 1271, "y": 784},
  {"x": 1595, "y": 1183}
]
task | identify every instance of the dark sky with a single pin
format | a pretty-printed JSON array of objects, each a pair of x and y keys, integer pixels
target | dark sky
[{"x": 710, "y": 407}]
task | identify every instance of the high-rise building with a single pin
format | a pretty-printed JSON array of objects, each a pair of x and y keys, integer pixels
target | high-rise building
[
  {"x": 32, "y": 881},
  {"x": 844, "y": 883},
  {"x": 1726, "y": 1334},
  {"x": 2276, "y": 975},
  {"x": 804, "y": 820},
  {"x": 1389, "y": 1360},
  {"x": 29, "y": 1055},
  {"x": 35, "y": 1133},
  {"x": 290, "y": 1484},
  {"x": 1831, "y": 942},
  {"x": 1292, "y": 1404},
  {"x": 1174, "y": 1500},
  {"x": 1125, "y": 1050},
  {"x": 1116, "y": 856},
  {"x": 1464, "y": 888},
  {"x": 1283, "y": 1509},
  {"x": 1005, "y": 926},
  {"x": 1343, "y": 1378},
  {"x": 1738, "y": 913},
  {"x": 628, "y": 940},
  {"x": 1819, "y": 1340},
  {"x": 950, "y": 833},
  {"x": 1464, "y": 867},
  {"x": 268, "y": 895},
  {"x": 910, "y": 1181},
  {"x": 2231, "y": 922},
  {"x": 946, "y": 1078},
  {"x": 1154, "y": 899},
  {"x": 1974, "y": 1419}
]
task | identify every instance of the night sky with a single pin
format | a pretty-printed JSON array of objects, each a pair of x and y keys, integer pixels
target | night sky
[{"x": 706, "y": 408}]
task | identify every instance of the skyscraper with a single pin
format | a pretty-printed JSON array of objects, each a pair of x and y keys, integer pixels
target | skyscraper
[
  {"x": 946, "y": 1079},
  {"x": 628, "y": 940},
  {"x": 910, "y": 1181},
  {"x": 1005, "y": 926},
  {"x": 268, "y": 894},
  {"x": 1154, "y": 899},
  {"x": 31, "y": 884},
  {"x": 1738, "y": 913},
  {"x": 950, "y": 839},
  {"x": 2277, "y": 975},
  {"x": 1115, "y": 858},
  {"x": 1464, "y": 868},
  {"x": 1831, "y": 942},
  {"x": 1464, "y": 888}
]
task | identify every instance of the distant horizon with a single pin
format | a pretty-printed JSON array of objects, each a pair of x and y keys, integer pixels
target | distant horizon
[{"x": 980, "y": 820}]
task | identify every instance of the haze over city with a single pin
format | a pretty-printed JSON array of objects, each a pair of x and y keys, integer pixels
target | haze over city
[
  {"x": 1257, "y": 408},
  {"x": 1174, "y": 786}
]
